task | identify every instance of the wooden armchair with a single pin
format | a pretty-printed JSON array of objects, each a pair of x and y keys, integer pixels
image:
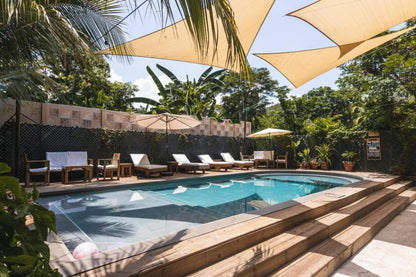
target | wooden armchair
[
  {"x": 246, "y": 157},
  {"x": 281, "y": 159},
  {"x": 107, "y": 167},
  {"x": 43, "y": 170}
]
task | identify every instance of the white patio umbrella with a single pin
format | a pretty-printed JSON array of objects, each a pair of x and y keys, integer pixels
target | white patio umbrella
[
  {"x": 167, "y": 121},
  {"x": 269, "y": 132}
]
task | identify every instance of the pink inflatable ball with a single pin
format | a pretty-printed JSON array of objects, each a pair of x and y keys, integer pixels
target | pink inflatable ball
[{"x": 85, "y": 249}]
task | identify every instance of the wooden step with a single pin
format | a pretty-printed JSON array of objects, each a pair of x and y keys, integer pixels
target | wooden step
[
  {"x": 265, "y": 257},
  {"x": 191, "y": 254},
  {"x": 326, "y": 257}
]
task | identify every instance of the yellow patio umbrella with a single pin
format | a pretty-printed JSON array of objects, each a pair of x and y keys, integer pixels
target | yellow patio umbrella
[{"x": 269, "y": 132}]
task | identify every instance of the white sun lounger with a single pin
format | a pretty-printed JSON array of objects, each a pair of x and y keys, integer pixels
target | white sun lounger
[
  {"x": 141, "y": 163},
  {"x": 213, "y": 164},
  {"x": 183, "y": 162},
  {"x": 240, "y": 164}
]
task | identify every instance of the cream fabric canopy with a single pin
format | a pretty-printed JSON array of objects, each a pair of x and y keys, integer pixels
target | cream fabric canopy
[
  {"x": 175, "y": 43},
  {"x": 352, "y": 21},
  {"x": 302, "y": 66},
  {"x": 166, "y": 121}
]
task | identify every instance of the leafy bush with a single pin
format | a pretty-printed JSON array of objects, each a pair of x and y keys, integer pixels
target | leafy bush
[{"x": 24, "y": 227}]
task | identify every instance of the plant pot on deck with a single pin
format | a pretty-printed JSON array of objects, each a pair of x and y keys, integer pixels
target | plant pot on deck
[{"x": 349, "y": 166}]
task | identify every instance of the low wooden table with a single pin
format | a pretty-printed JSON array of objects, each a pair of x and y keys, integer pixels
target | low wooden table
[
  {"x": 67, "y": 168},
  {"x": 257, "y": 161},
  {"x": 125, "y": 169},
  {"x": 173, "y": 166}
]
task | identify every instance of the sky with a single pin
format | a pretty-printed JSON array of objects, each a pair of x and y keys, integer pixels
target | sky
[{"x": 279, "y": 33}]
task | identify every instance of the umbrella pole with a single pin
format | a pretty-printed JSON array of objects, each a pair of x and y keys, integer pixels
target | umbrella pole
[
  {"x": 271, "y": 147},
  {"x": 167, "y": 141}
]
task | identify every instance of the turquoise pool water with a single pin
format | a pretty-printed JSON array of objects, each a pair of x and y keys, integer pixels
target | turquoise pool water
[{"x": 114, "y": 218}]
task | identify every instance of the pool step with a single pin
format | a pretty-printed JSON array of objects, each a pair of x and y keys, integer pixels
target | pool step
[
  {"x": 188, "y": 255},
  {"x": 326, "y": 257},
  {"x": 265, "y": 257}
]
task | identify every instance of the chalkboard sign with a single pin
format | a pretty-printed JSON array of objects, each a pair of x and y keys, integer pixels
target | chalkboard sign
[{"x": 373, "y": 149}]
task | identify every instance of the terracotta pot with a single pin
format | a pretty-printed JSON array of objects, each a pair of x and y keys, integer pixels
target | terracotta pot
[
  {"x": 314, "y": 165},
  {"x": 349, "y": 166},
  {"x": 324, "y": 166}
]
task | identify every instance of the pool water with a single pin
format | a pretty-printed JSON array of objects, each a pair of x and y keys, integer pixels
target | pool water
[{"x": 115, "y": 218}]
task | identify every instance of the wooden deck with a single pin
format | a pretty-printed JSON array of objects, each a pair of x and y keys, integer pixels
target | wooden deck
[{"x": 311, "y": 236}]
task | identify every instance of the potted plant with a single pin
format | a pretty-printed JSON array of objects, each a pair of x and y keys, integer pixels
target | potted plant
[
  {"x": 305, "y": 155},
  {"x": 314, "y": 163},
  {"x": 349, "y": 158},
  {"x": 324, "y": 155}
]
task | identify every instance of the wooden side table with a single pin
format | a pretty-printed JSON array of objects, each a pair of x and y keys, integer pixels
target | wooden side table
[
  {"x": 173, "y": 166},
  {"x": 257, "y": 161},
  {"x": 67, "y": 168},
  {"x": 125, "y": 169}
]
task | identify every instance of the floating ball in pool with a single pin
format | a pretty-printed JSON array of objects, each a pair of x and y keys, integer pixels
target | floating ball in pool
[{"x": 85, "y": 249}]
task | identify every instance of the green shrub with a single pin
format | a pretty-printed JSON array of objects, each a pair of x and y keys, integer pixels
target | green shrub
[{"x": 23, "y": 251}]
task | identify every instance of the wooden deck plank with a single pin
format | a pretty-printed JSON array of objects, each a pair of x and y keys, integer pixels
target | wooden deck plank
[
  {"x": 323, "y": 259},
  {"x": 198, "y": 252}
]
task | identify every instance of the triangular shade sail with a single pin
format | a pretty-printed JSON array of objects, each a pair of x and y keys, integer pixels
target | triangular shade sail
[
  {"x": 302, "y": 66},
  {"x": 175, "y": 43},
  {"x": 347, "y": 21}
]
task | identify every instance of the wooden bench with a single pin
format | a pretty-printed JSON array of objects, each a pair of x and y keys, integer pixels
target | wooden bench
[{"x": 66, "y": 162}]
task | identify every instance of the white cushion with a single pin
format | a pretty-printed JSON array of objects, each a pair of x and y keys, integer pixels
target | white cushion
[
  {"x": 57, "y": 160},
  {"x": 38, "y": 170},
  {"x": 108, "y": 166},
  {"x": 139, "y": 159},
  {"x": 264, "y": 155},
  {"x": 153, "y": 166},
  {"x": 77, "y": 158},
  {"x": 205, "y": 159},
  {"x": 197, "y": 165},
  {"x": 180, "y": 158},
  {"x": 227, "y": 157}
]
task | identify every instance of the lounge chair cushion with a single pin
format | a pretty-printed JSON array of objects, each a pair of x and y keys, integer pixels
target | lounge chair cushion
[
  {"x": 183, "y": 161},
  {"x": 207, "y": 159},
  {"x": 141, "y": 163},
  {"x": 227, "y": 157},
  {"x": 181, "y": 158}
]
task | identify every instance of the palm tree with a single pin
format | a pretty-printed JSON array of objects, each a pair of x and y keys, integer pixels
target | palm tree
[
  {"x": 35, "y": 34},
  {"x": 196, "y": 97}
]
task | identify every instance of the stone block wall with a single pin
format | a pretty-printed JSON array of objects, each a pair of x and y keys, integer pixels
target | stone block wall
[{"x": 75, "y": 116}]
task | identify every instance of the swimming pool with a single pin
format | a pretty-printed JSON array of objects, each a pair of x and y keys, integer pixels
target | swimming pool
[{"x": 115, "y": 218}]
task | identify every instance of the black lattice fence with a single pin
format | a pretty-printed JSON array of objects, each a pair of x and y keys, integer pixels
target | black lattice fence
[
  {"x": 398, "y": 147},
  {"x": 36, "y": 140}
]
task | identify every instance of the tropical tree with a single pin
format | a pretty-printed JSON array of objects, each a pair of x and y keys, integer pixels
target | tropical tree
[
  {"x": 89, "y": 86},
  {"x": 196, "y": 97},
  {"x": 247, "y": 99},
  {"x": 384, "y": 82},
  {"x": 33, "y": 34}
]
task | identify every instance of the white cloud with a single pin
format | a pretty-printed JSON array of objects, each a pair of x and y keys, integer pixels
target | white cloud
[
  {"x": 147, "y": 87},
  {"x": 114, "y": 77}
]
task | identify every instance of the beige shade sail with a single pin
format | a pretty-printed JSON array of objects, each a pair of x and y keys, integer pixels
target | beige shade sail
[
  {"x": 167, "y": 121},
  {"x": 351, "y": 21},
  {"x": 175, "y": 43},
  {"x": 302, "y": 66}
]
